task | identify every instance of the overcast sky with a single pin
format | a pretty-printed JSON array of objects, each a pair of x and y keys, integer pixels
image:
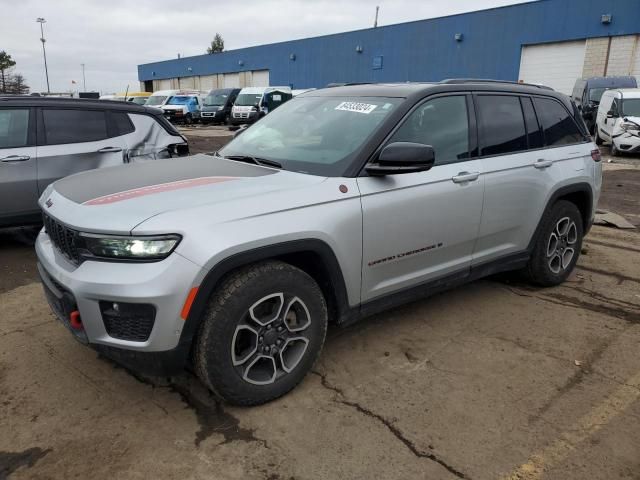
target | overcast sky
[{"x": 112, "y": 37}]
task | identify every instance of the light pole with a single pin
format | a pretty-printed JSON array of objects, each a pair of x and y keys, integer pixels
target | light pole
[
  {"x": 41, "y": 20},
  {"x": 84, "y": 80}
]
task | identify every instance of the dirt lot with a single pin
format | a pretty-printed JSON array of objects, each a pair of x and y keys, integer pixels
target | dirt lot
[{"x": 494, "y": 380}]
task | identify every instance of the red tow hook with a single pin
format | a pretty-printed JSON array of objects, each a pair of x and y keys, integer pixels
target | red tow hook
[{"x": 75, "y": 321}]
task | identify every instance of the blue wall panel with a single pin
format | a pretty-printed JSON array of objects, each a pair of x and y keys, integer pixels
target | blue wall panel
[{"x": 423, "y": 50}]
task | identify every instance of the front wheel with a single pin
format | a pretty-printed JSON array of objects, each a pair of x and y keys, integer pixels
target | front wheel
[
  {"x": 597, "y": 138},
  {"x": 558, "y": 245},
  {"x": 262, "y": 333},
  {"x": 614, "y": 150}
]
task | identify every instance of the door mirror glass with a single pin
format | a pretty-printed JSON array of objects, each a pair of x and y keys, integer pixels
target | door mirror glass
[{"x": 403, "y": 157}]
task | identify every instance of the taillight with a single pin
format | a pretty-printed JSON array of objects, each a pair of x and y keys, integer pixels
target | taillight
[{"x": 595, "y": 155}]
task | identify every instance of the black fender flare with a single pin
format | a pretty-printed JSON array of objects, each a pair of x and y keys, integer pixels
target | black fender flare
[
  {"x": 583, "y": 188},
  {"x": 274, "y": 251}
]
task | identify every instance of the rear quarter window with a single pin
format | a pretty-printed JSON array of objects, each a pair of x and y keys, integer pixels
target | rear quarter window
[
  {"x": 122, "y": 123},
  {"x": 74, "y": 126},
  {"x": 558, "y": 126}
]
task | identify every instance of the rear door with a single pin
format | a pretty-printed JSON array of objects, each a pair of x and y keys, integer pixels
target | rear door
[
  {"x": 18, "y": 173},
  {"x": 73, "y": 140},
  {"x": 422, "y": 226}
]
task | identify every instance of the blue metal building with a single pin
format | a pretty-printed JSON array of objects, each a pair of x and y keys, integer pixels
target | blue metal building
[{"x": 482, "y": 44}]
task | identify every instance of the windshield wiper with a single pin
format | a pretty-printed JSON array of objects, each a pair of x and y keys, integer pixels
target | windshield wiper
[{"x": 256, "y": 160}]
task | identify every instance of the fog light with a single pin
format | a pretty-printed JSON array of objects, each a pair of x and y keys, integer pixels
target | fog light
[{"x": 128, "y": 321}]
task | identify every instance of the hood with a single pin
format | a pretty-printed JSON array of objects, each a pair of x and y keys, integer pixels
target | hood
[{"x": 116, "y": 199}]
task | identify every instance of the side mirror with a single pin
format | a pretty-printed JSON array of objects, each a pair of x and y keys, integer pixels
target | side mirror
[
  {"x": 611, "y": 114},
  {"x": 402, "y": 157}
]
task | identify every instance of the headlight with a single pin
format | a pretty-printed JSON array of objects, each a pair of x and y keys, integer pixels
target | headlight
[
  {"x": 130, "y": 248},
  {"x": 629, "y": 126}
]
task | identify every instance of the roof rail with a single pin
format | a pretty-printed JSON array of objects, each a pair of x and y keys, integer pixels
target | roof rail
[{"x": 455, "y": 81}]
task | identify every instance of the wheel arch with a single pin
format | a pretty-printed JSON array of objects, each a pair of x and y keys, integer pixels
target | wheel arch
[
  {"x": 580, "y": 194},
  {"x": 313, "y": 256}
]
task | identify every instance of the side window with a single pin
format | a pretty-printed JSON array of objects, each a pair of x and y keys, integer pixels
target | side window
[
  {"x": 14, "y": 127},
  {"x": 615, "y": 108},
  {"x": 501, "y": 124},
  {"x": 122, "y": 123},
  {"x": 74, "y": 126},
  {"x": 442, "y": 123},
  {"x": 534, "y": 133},
  {"x": 558, "y": 126}
]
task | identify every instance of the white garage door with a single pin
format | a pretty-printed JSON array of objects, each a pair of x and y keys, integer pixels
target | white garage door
[
  {"x": 164, "y": 84},
  {"x": 208, "y": 82},
  {"x": 231, "y": 80},
  {"x": 187, "y": 83},
  {"x": 556, "y": 65},
  {"x": 260, "y": 78}
]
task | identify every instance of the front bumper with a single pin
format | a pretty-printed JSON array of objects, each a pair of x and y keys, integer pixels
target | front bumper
[
  {"x": 164, "y": 284},
  {"x": 628, "y": 142},
  {"x": 238, "y": 118}
]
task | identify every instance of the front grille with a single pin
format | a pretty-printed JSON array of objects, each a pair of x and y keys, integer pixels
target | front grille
[
  {"x": 128, "y": 321},
  {"x": 64, "y": 238}
]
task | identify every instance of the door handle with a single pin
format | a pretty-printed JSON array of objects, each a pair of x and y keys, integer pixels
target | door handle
[
  {"x": 110, "y": 150},
  {"x": 464, "y": 177},
  {"x": 15, "y": 158},
  {"x": 541, "y": 163}
]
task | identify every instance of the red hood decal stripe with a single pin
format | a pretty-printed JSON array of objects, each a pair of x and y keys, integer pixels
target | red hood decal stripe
[{"x": 152, "y": 189}]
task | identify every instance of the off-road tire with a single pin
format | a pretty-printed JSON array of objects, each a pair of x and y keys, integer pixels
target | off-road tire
[
  {"x": 538, "y": 269},
  {"x": 228, "y": 307}
]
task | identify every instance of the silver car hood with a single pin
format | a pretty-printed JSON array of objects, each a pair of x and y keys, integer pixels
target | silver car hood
[{"x": 117, "y": 199}]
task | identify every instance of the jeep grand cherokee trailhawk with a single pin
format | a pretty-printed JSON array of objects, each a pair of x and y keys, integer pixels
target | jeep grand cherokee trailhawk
[{"x": 341, "y": 203}]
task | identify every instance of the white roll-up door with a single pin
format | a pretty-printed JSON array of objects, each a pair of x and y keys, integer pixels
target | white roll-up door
[
  {"x": 164, "y": 84},
  {"x": 187, "y": 83},
  {"x": 231, "y": 80},
  {"x": 260, "y": 78},
  {"x": 557, "y": 65},
  {"x": 208, "y": 82}
]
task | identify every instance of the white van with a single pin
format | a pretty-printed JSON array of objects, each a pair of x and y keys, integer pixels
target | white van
[
  {"x": 618, "y": 120},
  {"x": 159, "y": 98},
  {"x": 254, "y": 103}
]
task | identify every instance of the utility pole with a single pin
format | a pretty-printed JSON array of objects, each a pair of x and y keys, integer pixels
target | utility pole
[
  {"x": 375, "y": 23},
  {"x": 84, "y": 80},
  {"x": 41, "y": 20}
]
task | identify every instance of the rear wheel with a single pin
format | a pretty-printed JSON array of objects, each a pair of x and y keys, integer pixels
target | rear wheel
[
  {"x": 558, "y": 245},
  {"x": 262, "y": 333},
  {"x": 188, "y": 119}
]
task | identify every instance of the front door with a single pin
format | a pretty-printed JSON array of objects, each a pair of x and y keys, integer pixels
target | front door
[
  {"x": 421, "y": 226},
  {"x": 18, "y": 173}
]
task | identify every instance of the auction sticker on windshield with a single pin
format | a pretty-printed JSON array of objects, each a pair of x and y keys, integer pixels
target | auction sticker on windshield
[{"x": 356, "y": 107}]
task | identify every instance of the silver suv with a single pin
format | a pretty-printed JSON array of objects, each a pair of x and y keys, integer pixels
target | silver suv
[
  {"x": 44, "y": 139},
  {"x": 341, "y": 203}
]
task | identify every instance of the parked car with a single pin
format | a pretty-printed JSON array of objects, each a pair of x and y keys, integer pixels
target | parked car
[
  {"x": 217, "y": 106},
  {"x": 341, "y": 203},
  {"x": 43, "y": 139},
  {"x": 618, "y": 121},
  {"x": 160, "y": 98},
  {"x": 184, "y": 107},
  {"x": 254, "y": 103},
  {"x": 588, "y": 91}
]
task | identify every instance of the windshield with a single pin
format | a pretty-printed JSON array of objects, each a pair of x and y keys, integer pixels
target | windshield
[
  {"x": 631, "y": 107},
  {"x": 315, "y": 135},
  {"x": 248, "y": 99},
  {"x": 156, "y": 100},
  {"x": 217, "y": 100},
  {"x": 595, "y": 94},
  {"x": 179, "y": 100}
]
